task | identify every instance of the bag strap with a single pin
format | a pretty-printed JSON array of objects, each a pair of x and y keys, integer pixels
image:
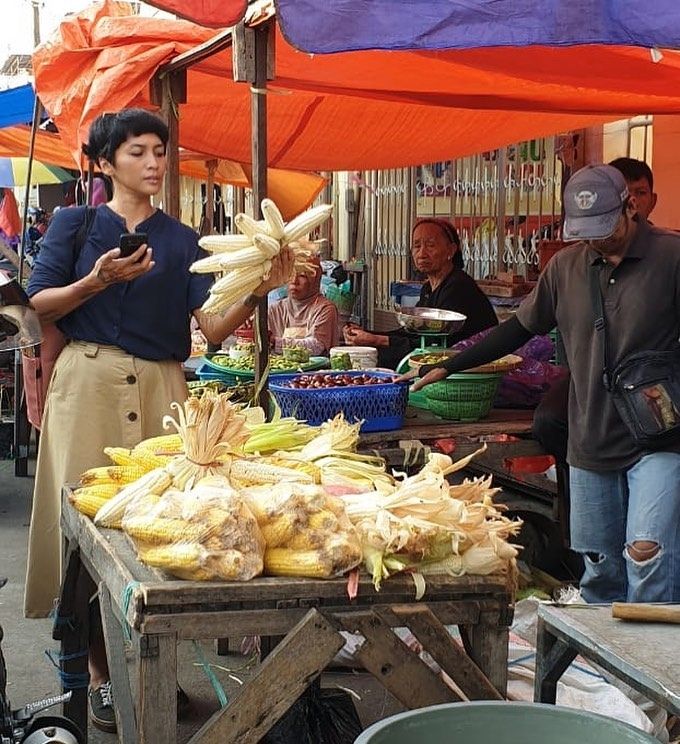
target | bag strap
[
  {"x": 600, "y": 319},
  {"x": 83, "y": 230}
]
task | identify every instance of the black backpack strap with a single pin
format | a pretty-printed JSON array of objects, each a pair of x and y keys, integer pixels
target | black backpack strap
[
  {"x": 83, "y": 231},
  {"x": 600, "y": 319}
]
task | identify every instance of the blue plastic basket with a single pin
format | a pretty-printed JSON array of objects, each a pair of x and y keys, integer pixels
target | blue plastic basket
[{"x": 382, "y": 407}]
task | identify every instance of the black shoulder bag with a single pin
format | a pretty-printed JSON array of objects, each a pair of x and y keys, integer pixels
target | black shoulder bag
[{"x": 645, "y": 386}]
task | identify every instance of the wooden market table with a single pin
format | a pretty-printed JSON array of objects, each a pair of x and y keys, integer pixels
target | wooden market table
[
  {"x": 644, "y": 655},
  {"x": 157, "y": 611}
]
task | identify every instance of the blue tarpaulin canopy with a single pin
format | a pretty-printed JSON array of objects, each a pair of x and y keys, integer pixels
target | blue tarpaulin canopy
[
  {"x": 16, "y": 106},
  {"x": 323, "y": 27}
]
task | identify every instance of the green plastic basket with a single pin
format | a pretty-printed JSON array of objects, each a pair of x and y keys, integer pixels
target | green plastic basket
[
  {"x": 344, "y": 301},
  {"x": 463, "y": 397}
]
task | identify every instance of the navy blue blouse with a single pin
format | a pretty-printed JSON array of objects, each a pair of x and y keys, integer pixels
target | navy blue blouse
[{"x": 148, "y": 317}]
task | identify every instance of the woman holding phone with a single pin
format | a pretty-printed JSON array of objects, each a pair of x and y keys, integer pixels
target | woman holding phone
[{"x": 126, "y": 319}]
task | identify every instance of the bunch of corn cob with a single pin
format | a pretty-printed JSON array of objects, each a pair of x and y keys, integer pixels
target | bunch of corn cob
[
  {"x": 245, "y": 259},
  {"x": 207, "y": 533},
  {"x": 307, "y": 532},
  {"x": 212, "y": 430},
  {"x": 430, "y": 526}
]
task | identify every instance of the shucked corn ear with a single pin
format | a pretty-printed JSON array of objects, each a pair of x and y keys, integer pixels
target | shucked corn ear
[
  {"x": 254, "y": 472},
  {"x": 285, "y": 562},
  {"x": 168, "y": 444},
  {"x": 111, "y": 475},
  {"x": 280, "y": 530},
  {"x": 250, "y": 227},
  {"x": 275, "y": 224},
  {"x": 154, "y": 482},
  {"x": 304, "y": 223},
  {"x": 224, "y": 243},
  {"x": 179, "y": 555},
  {"x": 162, "y": 531},
  {"x": 136, "y": 457},
  {"x": 90, "y": 500},
  {"x": 253, "y": 255}
]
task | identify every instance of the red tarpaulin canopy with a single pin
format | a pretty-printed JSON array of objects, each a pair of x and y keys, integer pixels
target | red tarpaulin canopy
[
  {"x": 219, "y": 13},
  {"x": 354, "y": 110}
]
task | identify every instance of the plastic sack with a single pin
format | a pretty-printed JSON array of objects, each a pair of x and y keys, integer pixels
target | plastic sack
[
  {"x": 207, "y": 533},
  {"x": 525, "y": 386},
  {"x": 307, "y": 531},
  {"x": 318, "y": 716}
]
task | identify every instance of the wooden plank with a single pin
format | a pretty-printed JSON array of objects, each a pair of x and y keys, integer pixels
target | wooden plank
[
  {"x": 553, "y": 656},
  {"x": 208, "y": 624},
  {"x": 426, "y": 426},
  {"x": 118, "y": 670},
  {"x": 396, "y": 589},
  {"x": 277, "y": 684},
  {"x": 437, "y": 641},
  {"x": 398, "y": 668},
  {"x": 157, "y": 691},
  {"x": 100, "y": 559},
  {"x": 488, "y": 647}
]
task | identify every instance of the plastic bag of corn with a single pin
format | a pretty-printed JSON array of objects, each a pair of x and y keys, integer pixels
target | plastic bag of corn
[
  {"x": 206, "y": 533},
  {"x": 307, "y": 531}
]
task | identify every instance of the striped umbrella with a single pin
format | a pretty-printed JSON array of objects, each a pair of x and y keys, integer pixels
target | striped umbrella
[{"x": 13, "y": 172}]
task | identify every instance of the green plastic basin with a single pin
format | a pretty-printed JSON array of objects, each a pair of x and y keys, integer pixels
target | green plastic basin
[{"x": 501, "y": 723}]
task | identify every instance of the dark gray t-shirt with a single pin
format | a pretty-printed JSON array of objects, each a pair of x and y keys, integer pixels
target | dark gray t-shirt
[{"x": 642, "y": 307}]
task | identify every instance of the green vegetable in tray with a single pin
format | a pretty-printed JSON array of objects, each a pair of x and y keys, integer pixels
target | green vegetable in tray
[
  {"x": 341, "y": 361},
  {"x": 431, "y": 358},
  {"x": 277, "y": 363}
]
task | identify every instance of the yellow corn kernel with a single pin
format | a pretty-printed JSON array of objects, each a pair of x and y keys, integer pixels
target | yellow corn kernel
[
  {"x": 100, "y": 490},
  {"x": 162, "y": 531},
  {"x": 307, "y": 539},
  {"x": 286, "y": 562},
  {"x": 280, "y": 530},
  {"x": 312, "y": 470},
  {"x": 111, "y": 474},
  {"x": 324, "y": 520},
  {"x": 136, "y": 458},
  {"x": 167, "y": 444},
  {"x": 178, "y": 556}
]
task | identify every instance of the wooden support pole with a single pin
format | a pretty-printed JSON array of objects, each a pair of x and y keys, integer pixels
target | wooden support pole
[{"x": 168, "y": 91}]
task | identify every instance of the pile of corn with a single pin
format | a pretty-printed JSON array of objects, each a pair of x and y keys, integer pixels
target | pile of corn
[
  {"x": 98, "y": 485},
  {"x": 428, "y": 526},
  {"x": 245, "y": 259},
  {"x": 207, "y": 533},
  {"x": 307, "y": 532}
]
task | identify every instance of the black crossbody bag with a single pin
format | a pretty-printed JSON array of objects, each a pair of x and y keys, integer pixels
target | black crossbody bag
[{"x": 645, "y": 386}]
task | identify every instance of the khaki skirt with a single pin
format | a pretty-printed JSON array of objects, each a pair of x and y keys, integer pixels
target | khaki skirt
[{"x": 99, "y": 396}]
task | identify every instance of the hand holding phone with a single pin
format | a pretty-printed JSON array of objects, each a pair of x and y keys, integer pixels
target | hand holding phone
[{"x": 130, "y": 242}]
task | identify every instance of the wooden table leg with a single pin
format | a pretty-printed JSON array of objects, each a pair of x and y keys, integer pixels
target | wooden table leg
[
  {"x": 118, "y": 671},
  {"x": 278, "y": 682},
  {"x": 488, "y": 647},
  {"x": 72, "y": 629},
  {"x": 553, "y": 656},
  {"x": 157, "y": 693}
]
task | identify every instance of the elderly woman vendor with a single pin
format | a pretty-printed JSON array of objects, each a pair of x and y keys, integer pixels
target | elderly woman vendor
[{"x": 435, "y": 248}]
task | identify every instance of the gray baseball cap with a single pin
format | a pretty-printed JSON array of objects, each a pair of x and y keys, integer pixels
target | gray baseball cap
[{"x": 593, "y": 199}]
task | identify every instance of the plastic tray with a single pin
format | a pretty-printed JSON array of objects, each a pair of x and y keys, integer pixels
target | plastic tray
[
  {"x": 382, "y": 406},
  {"x": 208, "y": 370}
]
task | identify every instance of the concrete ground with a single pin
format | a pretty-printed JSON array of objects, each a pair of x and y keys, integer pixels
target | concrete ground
[{"x": 32, "y": 676}]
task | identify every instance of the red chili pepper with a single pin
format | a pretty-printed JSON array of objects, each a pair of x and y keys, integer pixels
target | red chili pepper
[{"x": 445, "y": 446}]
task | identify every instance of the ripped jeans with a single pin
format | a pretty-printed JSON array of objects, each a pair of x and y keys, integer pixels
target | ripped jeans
[{"x": 612, "y": 511}]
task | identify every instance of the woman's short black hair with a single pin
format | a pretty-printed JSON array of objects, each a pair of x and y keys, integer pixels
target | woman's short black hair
[
  {"x": 109, "y": 131},
  {"x": 450, "y": 233}
]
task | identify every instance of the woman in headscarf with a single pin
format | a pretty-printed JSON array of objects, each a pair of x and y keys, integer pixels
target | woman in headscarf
[{"x": 435, "y": 249}]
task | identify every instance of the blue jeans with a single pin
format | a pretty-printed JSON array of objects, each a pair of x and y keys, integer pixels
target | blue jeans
[{"x": 613, "y": 509}]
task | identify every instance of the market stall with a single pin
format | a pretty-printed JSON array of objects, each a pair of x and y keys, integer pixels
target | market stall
[{"x": 309, "y": 613}]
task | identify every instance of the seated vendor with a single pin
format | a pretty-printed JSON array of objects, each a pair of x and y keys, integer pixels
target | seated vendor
[
  {"x": 305, "y": 318},
  {"x": 435, "y": 248}
]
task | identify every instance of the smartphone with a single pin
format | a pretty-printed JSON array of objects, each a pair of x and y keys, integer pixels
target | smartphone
[{"x": 130, "y": 242}]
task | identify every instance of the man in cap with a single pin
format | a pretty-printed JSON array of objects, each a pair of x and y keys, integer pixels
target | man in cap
[
  {"x": 625, "y": 502},
  {"x": 550, "y": 425}
]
